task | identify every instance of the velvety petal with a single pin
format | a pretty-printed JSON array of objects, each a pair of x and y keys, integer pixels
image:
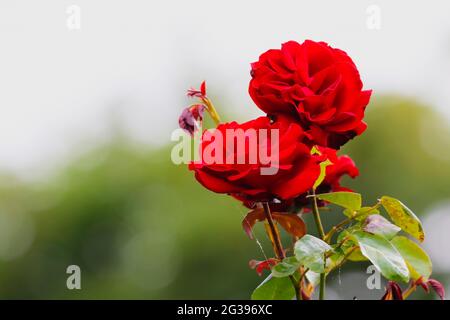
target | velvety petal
[
  {"x": 319, "y": 56},
  {"x": 299, "y": 182},
  {"x": 343, "y": 122},
  {"x": 320, "y": 83},
  {"x": 290, "y": 158},
  {"x": 216, "y": 184}
]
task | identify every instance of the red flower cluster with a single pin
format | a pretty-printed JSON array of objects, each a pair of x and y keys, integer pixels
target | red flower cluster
[
  {"x": 312, "y": 84},
  {"x": 296, "y": 169},
  {"x": 312, "y": 94}
]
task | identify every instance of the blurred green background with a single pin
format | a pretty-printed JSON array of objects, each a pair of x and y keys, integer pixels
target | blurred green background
[{"x": 141, "y": 227}]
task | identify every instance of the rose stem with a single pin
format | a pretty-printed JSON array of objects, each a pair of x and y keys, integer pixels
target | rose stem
[
  {"x": 300, "y": 270},
  {"x": 278, "y": 246},
  {"x": 212, "y": 111},
  {"x": 410, "y": 290},
  {"x": 346, "y": 221},
  {"x": 316, "y": 214}
]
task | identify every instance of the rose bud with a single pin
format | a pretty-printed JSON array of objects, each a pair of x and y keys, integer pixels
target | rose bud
[
  {"x": 191, "y": 118},
  {"x": 207, "y": 105}
]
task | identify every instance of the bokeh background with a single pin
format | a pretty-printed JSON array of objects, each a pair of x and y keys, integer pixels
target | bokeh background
[{"x": 86, "y": 116}]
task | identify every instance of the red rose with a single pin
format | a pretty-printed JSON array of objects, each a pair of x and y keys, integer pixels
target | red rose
[
  {"x": 342, "y": 165},
  {"x": 315, "y": 85},
  {"x": 296, "y": 169}
]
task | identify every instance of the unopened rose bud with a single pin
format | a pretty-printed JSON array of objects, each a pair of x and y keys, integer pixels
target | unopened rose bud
[{"x": 191, "y": 117}]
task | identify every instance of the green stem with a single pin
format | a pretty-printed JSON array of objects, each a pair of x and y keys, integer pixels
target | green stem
[
  {"x": 336, "y": 228},
  {"x": 408, "y": 291},
  {"x": 316, "y": 214},
  {"x": 322, "y": 286},
  {"x": 346, "y": 221},
  {"x": 212, "y": 111},
  {"x": 344, "y": 259},
  {"x": 278, "y": 245},
  {"x": 276, "y": 239}
]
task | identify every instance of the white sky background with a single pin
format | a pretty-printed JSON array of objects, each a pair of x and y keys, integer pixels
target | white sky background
[{"x": 135, "y": 59}]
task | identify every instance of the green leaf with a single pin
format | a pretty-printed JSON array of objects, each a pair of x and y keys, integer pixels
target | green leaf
[
  {"x": 403, "y": 217},
  {"x": 348, "y": 200},
  {"x": 362, "y": 213},
  {"x": 335, "y": 259},
  {"x": 323, "y": 169},
  {"x": 383, "y": 255},
  {"x": 417, "y": 260},
  {"x": 286, "y": 268},
  {"x": 350, "y": 244},
  {"x": 274, "y": 289},
  {"x": 377, "y": 224},
  {"x": 310, "y": 251}
]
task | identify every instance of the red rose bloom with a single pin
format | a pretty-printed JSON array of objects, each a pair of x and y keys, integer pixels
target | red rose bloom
[
  {"x": 342, "y": 165},
  {"x": 315, "y": 85},
  {"x": 296, "y": 168}
]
